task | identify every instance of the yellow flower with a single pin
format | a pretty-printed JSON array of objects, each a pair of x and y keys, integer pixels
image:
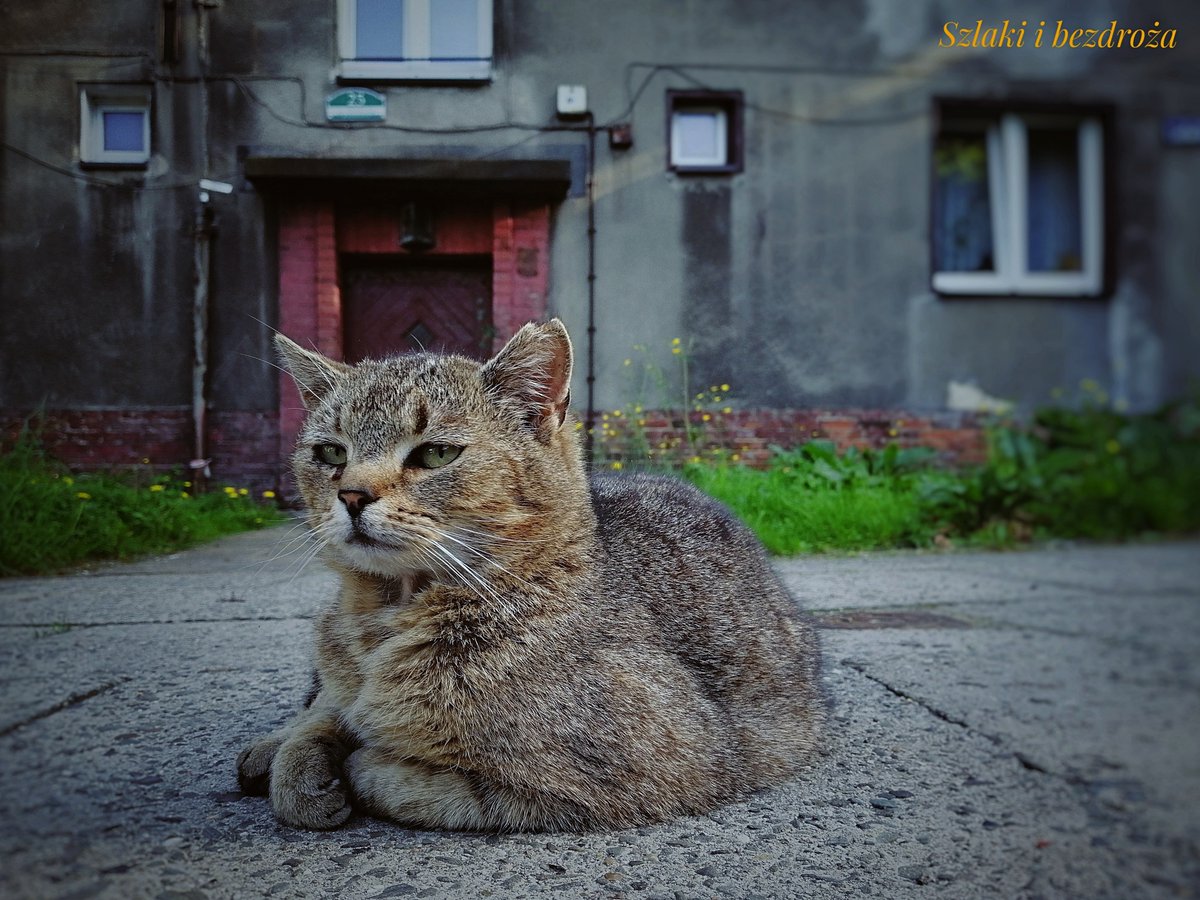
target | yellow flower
[
  {"x": 674, "y": 342},
  {"x": 156, "y": 488},
  {"x": 84, "y": 495},
  {"x": 892, "y": 432},
  {"x": 617, "y": 465},
  {"x": 617, "y": 413},
  {"x": 638, "y": 408},
  {"x": 662, "y": 445},
  {"x": 243, "y": 491},
  {"x": 727, "y": 410},
  {"x": 641, "y": 422},
  {"x": 725, "y": 388},
  {"x": 230, "y": 491},
  {"x": 694, "y": 459},
  {"x": 735, "y": 457},
  {"x": 706, "y": 417},
  {"x": 676, "y": 350},
  {"x": 579, "y": 426},
  {"x": 187, "y": 484},
  {"x": 184, "y": 494},
  {"x": 68, "y": 480},
  {"x": 629, "y": 362},
  {"x": 145, "y": 461},
  {"x": 713, "y": 388},
  {"x": 268, "y": 495}
]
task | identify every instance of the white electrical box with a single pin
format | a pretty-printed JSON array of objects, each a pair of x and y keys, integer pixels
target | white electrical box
[{"x": 572, "y": 100}]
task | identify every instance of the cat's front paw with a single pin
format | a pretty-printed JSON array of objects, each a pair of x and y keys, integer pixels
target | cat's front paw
[
  {"x": 254, "y": 765},
  {"x": 307, "y": 790}
]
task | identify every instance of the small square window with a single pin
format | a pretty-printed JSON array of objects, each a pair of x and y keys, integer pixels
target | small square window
[
  {"x": 704, "y": 131},
  {"x": 1018, "y": 203},
  {"x": 403, "y": 40},
  {"x": 114, "y": 125}
]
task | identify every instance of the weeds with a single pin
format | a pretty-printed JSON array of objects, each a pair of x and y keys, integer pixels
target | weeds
[
  {"x": 1089, "y": 473},
  {"x": 52, "y": 519}
]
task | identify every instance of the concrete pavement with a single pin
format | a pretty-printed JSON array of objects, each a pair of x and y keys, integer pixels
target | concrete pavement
[{"x": 1004, "y": 725}]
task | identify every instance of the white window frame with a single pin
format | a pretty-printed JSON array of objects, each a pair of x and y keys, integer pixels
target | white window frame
[
  {"x": 94, "y": 102},
  {"x": 721, "y": 158},
  {"x": 416, "y": 64},
  {"x": 1008, "y": 190}
]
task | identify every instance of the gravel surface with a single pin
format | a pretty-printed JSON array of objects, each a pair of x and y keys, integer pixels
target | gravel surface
[{"x": 1002, "y": 725}]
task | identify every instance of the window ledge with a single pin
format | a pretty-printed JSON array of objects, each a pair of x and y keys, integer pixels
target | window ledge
[{"x": 474, "y": 71}]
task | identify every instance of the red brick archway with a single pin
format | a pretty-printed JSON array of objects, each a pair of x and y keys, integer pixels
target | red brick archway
[{"x": 315, "y": 233}]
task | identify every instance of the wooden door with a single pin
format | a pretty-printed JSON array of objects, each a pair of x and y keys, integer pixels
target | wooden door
[{"x": 398, "y": 306}]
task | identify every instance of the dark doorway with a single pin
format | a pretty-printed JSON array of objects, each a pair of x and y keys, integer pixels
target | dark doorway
[{"x": 396, "y": 306}]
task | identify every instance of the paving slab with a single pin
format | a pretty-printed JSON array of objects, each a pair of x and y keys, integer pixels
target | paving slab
[{"x": 1002, "y": 725}]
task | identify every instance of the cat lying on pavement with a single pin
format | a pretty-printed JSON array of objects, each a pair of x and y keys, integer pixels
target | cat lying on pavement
[{"x": 517, "y": 645}]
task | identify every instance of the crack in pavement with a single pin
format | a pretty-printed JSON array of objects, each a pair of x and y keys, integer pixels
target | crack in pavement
[{"x": 72, "y": 701}]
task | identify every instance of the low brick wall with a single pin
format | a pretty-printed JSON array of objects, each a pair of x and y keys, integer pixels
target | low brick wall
[
  {"x": 243, "y": 445},
  {"x": 749, "y": 434}
]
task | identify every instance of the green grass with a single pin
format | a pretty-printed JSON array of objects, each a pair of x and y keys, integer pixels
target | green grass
[
  {"x": 1090, "y": 473},
  {"x": 52, "y": 519},
  {"x": 789, "y": 518}
]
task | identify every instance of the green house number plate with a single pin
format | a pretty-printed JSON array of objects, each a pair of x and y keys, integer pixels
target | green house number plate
[{"x": 356, "y": 105}]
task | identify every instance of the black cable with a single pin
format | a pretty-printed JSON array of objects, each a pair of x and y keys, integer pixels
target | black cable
[{"x": 98, "y": 182}]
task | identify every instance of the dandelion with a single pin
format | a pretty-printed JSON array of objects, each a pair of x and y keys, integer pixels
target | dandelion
[
  {"x": 892, "y": 432},
  {"x": 617, "y": 413},
  {"x": 185, "y": 495},
  {"x": 628, "y": 362},
  {"x": 700, "y": 396},
  {"x": 187, "y": 484},
  {"x": 706, "y": 417},
  {"x": 713, "y": 388},
  {"x": 83, "y": 495},
  {"x": 617, "y": 466},
  {"x": 258, "y": 521},
  {"x": 145, "y": 460},
  {"x": 605, "y": 417},
  {"x": 243, "y": 491},
  {"x": 662, "y": 445},
  {"x": 579, "y": 426},
  {"x": 68, "y": 480},
  {"x": 676, "y": 350},
  {"x": 725, "y": 389},
  {"x": 727, "y": 410},
  {"x": 638, "y": 408},
  {"x": 694, "y": 459},
  {"x": 155, "y": 488},
  {"x": 641, "y": 423},
  {"x": 674, "y": 342},
  {"x": 735, "y": 457},
  {"x": 268, "y": 495},
  {"x": 230, "y": 492}
]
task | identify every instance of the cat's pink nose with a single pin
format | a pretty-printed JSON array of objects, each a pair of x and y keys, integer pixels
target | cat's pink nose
[{"x": 355, "y": 501}]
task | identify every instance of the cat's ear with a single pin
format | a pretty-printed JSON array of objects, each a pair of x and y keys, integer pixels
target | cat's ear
[
  {"x": 533, "y": 371},
  {"x": 313, "y": 373}
]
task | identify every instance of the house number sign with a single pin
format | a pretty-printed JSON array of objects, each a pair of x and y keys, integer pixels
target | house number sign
[{"x": 355, "y": 105}]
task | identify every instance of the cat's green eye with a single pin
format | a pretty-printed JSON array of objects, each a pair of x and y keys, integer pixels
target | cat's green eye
[
  {"x": 330, "y": 454},
  {"x": 434, "y": 456}
]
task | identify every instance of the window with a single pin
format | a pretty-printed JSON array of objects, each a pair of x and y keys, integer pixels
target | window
[
  {"x": 397, "y": 40},
  {"x": 704, "y": 131},
  {"x": 1018, "y": 205},
  {"x": 114, "y": 125}
]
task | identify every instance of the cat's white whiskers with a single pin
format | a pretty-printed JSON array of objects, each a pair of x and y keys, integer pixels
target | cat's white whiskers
[{"x": 489, "y": 560}]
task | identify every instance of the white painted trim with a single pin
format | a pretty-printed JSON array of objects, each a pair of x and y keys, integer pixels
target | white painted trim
[
  {"x": 1008, "y": 189},
  {"x": 416, "y": 66},
  {"x": 94, "y": 102}
]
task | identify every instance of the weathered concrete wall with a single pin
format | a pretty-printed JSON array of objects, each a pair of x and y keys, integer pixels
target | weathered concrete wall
[{"x": 802, "y": 280}]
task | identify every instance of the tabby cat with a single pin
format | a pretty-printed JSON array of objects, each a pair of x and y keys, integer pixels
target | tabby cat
[{"x": 516, "y": 645}]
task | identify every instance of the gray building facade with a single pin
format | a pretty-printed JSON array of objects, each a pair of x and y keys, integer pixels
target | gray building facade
[{"x": 856, "y": 215}]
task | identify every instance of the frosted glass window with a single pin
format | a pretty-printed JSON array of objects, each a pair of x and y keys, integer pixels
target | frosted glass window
[
  {"x": 379, "y": 29},
  {"x": 698, "y": 137},
  {"x": 454, "y": 29},
  {"x": 124, "y": 131}
]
